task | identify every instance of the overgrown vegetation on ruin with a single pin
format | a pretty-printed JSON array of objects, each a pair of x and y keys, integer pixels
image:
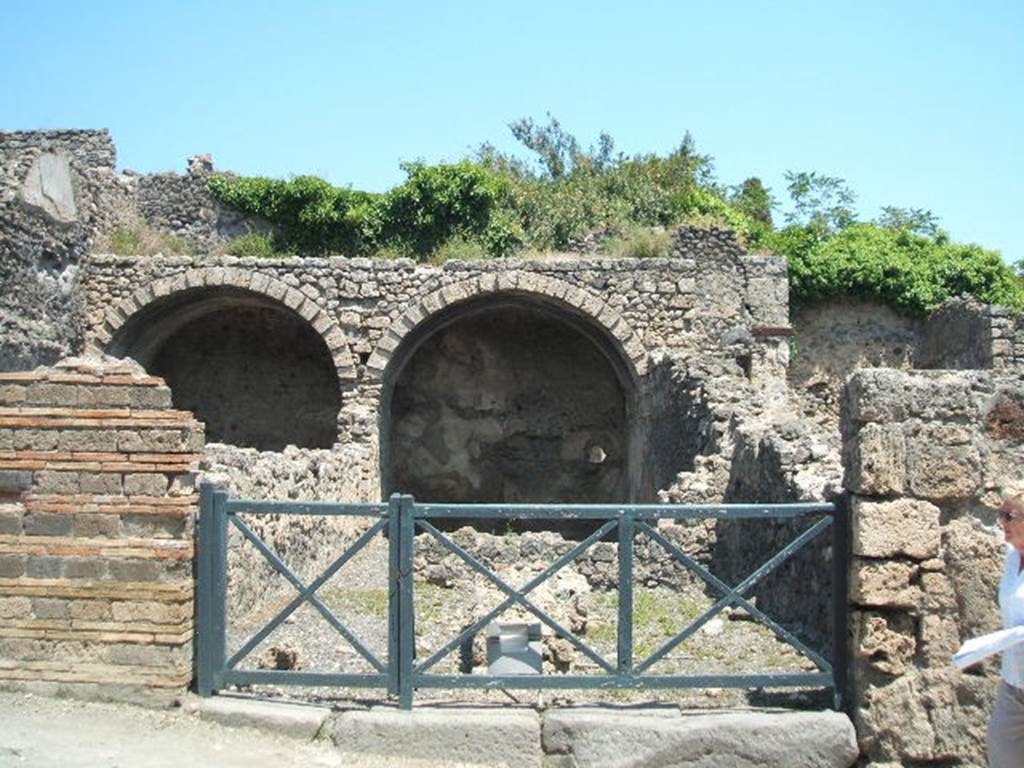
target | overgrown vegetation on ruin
[{"x": 563, "y": 197}]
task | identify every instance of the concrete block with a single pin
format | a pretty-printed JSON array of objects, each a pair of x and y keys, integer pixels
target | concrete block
[
  {"x": 297, "y": 721},
  {"x": 465, "y": 736},
  {"x": 718, "y": 740}
]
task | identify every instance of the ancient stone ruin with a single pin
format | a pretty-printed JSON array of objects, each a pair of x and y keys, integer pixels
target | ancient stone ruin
[{"x": 564, "y": 380}]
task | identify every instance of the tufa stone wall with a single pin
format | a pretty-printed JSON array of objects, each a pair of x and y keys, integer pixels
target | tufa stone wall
[
  {"x": 925, "y": 455},
  {"x": 375, "y": 316},
  {"x": 97, "y": 516}
]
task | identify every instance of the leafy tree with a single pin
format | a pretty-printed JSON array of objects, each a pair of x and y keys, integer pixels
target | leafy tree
[
  {"x": 920, "y": 221},
  {"x": 822, "y": 202},
  {"x": 753, "y": 199}
]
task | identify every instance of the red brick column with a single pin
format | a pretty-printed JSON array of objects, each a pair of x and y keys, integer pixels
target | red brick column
[{"x": 97, "y": 511}]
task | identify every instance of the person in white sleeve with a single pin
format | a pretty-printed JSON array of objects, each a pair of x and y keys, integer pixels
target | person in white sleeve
[{"x": 1006, "y": 728}]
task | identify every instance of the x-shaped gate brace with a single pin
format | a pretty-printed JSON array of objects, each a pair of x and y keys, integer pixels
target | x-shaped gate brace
[{"x": 402, "y": 517}]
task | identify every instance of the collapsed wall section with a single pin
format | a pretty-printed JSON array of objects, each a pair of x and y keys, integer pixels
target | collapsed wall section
[
  {"x": 97, "y": 514},
  {"x": 56, "y": 191},
  {"x": 925, "y": 455}
]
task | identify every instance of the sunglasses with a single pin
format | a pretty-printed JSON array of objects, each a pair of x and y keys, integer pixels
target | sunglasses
[{"x": 1006, "y": 516}]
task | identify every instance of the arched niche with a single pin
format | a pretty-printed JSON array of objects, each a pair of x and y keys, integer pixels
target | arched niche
[
  {"x": 254, "y": 370},
  {"x": 510, "y": 397}
]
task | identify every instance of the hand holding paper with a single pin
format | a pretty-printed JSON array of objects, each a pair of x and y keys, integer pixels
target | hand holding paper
[{"x": 978, "y": 648}]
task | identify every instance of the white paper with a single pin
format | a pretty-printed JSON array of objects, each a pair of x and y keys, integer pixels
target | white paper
[{"x": 978, "y": 648}]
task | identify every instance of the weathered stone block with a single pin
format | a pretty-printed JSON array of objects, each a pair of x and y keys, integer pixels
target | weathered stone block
[
  {"x": 6, "y": 439},
  {"x": 884, "y": 583},
  {"x": 35, "y": 439},
  {"x": 91, "y": 610},
  {"x": 47, "y": 524},
  {"x": 15, "y": 608},
  {"x": 50, "y": 481},
  {"x": 43, "y": 567},
  {"x": 886, "y": 642},
  {"x": 896, "y": 721},
  {"x": 95, "y": 440},
  {"x": 942, "y": 464},
  {"x": 134, "y": 570},
  {"x": 876, "y": 460},
  {"x": 10, "y": 519},
  {"x": 152, "y": 441},
  {"x": 145, "y": 484},
  {"x": 12, "y": 566},
  {"x": 151, "y": 612},
  {"x": 103, "y": 396},
  {"x": 892, "y": 528},
  {"x": 42, "y": 393},
  {"x": 105, "y": 483},
  {"x": 940, "y": 639},
  {"x": 15, "y": 480},
  {"x": 84, "y": 568},
  {"x": 150, "y": 398},
  {"x": 96, "y": 526},
  {"x": 50, "y": 608},
  {"x": 12, "y": 394}
]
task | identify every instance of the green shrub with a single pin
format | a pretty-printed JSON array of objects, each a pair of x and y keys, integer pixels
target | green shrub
[
  {"x": 259, "y": 245},
  {"x": 911, "y": 273},
  {"x": 639, "y": 243},
  {"x": 142, "y": 239}
]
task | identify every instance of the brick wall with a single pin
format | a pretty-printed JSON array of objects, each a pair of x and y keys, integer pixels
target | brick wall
[{"x": 97, "y": 511}]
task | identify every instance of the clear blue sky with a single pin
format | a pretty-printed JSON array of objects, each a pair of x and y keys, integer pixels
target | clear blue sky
[{"x": 916, "y": 104}]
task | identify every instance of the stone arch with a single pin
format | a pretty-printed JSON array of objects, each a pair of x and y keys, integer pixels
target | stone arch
[
  {"x": 260, "y": 362},
  {"x": 609, "y": 401},
  {"x": 231, "y": 279},
  {"x": 556, "y": 292}
]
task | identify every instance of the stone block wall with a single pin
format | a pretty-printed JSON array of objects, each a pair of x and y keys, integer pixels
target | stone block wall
[
  {"x": 964, "y": 333},
  {"x": 925, "y": 454},
  {"x": 97, "y": 512}
]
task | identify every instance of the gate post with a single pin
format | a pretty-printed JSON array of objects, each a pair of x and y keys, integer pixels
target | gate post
[
  {"x": 840, "y": 601},
  {"x": 624, "y": 645},
  {"x": 211, "y": 589},
  {"x": 406, "y": 612},
  {"x": 394, "y": 617}
]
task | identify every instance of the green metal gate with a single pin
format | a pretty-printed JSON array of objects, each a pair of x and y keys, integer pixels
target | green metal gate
[{"x": 401, "y": 673}]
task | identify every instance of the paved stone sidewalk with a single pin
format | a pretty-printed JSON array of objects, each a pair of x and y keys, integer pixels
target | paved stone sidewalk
[{"x": 38, "y": 732}]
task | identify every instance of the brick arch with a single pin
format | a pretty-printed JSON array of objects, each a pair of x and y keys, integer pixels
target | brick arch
[
  {"x": 245, "y": 280},
  {"x": 553, "y": 291}
]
